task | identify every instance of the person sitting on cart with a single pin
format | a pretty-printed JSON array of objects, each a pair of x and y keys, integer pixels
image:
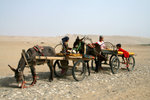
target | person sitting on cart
[
  {"x": 65, "y": 48},
  {"x": 125, "y": 54}
]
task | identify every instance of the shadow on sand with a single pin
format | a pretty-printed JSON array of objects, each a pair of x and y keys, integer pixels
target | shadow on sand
[{"x": 10, "y": 82}]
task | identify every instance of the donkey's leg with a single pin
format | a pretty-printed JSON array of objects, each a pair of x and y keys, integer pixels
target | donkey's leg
[
  {"x": 100, "y": 65},
  {"x": 100, "y": 59},
  {"x": 33, "y": 71},
  {"x": 97, "y": 65},
  {"x": 50, "y": 65},
  {"x": 88, "y": 67}
]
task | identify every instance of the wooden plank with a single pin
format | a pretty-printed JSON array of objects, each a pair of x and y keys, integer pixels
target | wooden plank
[
  {"x": 23, "y": 53},
  {"x": 71, "y": 54},
  {"x": 76, "y": 57},
  {"x": 62, "y": 58},
  {"x": 58, "y": 58},
  {"x": 50, "y": 58}
]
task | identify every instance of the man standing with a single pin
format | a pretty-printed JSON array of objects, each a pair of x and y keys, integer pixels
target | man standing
[
  {"x": 101, "y": 42},
  {"x": 101, "y": 57}
]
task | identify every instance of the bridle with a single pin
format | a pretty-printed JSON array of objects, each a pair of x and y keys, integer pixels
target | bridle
[
  {"x": 80, "y": 41},
  {"x": 79, "y": 46}
]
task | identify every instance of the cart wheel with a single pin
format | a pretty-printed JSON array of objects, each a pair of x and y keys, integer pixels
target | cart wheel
[
  {"x": 79, "y": 70},
  {"x": 115, "y": 64},
  {"x": 58, "y": 48},
  {"x": 93, "y": 65},
  {"x": 110, "y": 46},
  {"x": 111, "y": 58},
  {"x": 131, "y": 63},
  {"x": 58, "y": 70}
]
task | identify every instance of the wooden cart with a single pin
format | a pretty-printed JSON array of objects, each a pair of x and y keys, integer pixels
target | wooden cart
[
  {"x": 114, "y": 58},
  {"x": 61, "y": 64}
]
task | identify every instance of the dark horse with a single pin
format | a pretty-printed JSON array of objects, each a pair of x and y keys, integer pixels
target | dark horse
[
  {"x": 94, "y": 51},
  {"x": 30, "y": 55}
]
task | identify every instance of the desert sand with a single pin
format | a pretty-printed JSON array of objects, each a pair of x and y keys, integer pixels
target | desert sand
[{"x": 125, "y": 85}]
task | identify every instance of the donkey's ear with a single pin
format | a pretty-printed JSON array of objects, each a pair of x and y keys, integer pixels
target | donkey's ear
[
  {"x": 78, "y": 37},
  {"x": 14, "y": 70},
  {"x": 82, "y": 38}
]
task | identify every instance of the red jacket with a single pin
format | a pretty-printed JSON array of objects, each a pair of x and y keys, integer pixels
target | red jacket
[{"x": 125, "y": 53}]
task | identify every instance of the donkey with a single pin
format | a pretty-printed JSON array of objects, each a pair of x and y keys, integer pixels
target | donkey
[
  {"x": 30, "y": 55},
  {"x": 94, "y": 51}
]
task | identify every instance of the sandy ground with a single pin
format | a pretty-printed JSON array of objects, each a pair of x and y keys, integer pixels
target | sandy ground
[{"x": 125, "y": 85}]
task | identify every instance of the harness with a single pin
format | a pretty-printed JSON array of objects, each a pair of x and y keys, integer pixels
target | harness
[
  {"x": 38, "y": 49},
  {"x": 77, "y": 49}
]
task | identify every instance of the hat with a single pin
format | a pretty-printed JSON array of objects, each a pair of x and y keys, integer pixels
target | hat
[{"x": 65, "y": 39}]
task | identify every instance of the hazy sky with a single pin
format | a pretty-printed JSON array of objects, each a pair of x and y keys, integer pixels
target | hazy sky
[{"x": 59, "y": 17}]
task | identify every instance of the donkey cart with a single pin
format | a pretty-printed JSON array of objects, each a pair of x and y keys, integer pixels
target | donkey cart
[
  {"x": 61, "y": 64},
  {"x": 115, "y": 58},
  {"x": 32, "y": 57}
]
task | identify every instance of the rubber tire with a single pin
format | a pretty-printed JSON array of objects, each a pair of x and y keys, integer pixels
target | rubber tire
[
  {"x": 111, "y": 45},
  {"x": 75, "y": 67},
  {"x": 60, "y": 67},
  {"x": 130, "y": 68},
  {"x": 110, "y": 59},
  {"x": 118, "y": 65}
]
